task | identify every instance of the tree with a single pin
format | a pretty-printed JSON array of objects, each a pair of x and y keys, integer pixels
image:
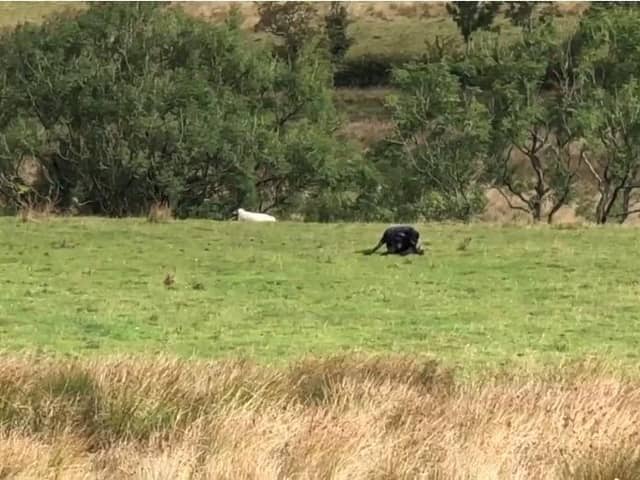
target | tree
[
  {"x": 157, "y": 105},
  {"x": 607, "y": 40},
  {"x": 293, "y": 22},
  {"x": 596, "y": 8},
  {"x": 336, "y": 23},
  {"x": 537, "y": 124},
  {"x": 609, "y": 61},
  {"x": 20, "y": 140},
  {"x": 528, "y": 15},
  {"x": 439, "y": 144},
  {"x": 472, "y": 16},
  {"x": 612, "y": 122}
]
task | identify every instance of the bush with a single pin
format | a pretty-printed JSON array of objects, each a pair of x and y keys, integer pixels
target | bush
[
  {"x": 369, "y": 70},
  {"x": 337, "y": 22},
  {"x": 157, "y": 104},
  {"x": 433, "y": 161},
  {"x": 438, "y": 206}
]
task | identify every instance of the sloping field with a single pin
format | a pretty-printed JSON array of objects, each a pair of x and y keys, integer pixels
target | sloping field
[
  {"x": 392, "y": 28},
  {"x": 280, "y": 291},
  {"x": 13, "y": 13}
]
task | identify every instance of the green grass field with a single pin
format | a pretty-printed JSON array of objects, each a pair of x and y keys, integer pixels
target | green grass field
[{"x": 276, "y": 292}]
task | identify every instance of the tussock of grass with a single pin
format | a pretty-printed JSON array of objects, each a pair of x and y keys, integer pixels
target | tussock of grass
[
  {"x": 169, "y": 280},
  {"x": 36, "y": 213},
  {"x": 160, "y": 212},
  {"x": 385, "y": 417},
  {"x": 464, "y": 244}
]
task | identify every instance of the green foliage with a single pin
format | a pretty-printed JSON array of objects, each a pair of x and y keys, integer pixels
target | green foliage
[
  {"x": 607, "y": 39},
  {"x": 611, "y": 120},
  {"x": 609, "y": 61},
  {"x": 528, "y": 120},
  {"x": 157, "y": 106},
  {"x": 472, "y": 16},
  {"x": 528, "y": 15},
  {"x": 440, "y": 205},
  {"x": 442, "y": 133},
  {"x": 19, "y": 142},
  {"x": 295, "y": 23},
  {"x": 367, "y": 70},
  {"x": 337, "y": 22}
]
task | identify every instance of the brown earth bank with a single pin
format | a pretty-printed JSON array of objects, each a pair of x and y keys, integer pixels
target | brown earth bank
[
  {"x": 385, "y": 417},
  {"x": 385, "y": 10}
]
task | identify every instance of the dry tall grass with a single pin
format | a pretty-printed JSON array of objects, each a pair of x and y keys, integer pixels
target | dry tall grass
[
  {"x": 366, "y": 132},
  {"x": 160, "y": 212},
  {"x": 381, "y": 418},
  {"x": 32, "y": 212}
]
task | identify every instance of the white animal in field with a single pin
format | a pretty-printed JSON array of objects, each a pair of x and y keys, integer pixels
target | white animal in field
[{"x": 245, "y": 216}]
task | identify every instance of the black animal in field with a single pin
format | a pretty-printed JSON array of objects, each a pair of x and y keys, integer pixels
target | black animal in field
[{"x": 400, "y": 240}]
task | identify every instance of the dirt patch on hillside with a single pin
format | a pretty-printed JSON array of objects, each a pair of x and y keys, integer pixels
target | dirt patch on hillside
[
  {"x": 499, "y": 211},
  {"x": 387, "y": 10}
]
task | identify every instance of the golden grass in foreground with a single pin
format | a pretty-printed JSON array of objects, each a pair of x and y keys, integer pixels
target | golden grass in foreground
[{"x": 345, "y": 418}]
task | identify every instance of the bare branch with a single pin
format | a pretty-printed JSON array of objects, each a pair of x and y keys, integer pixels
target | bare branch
[
  {"x": 592, "y": 170},
  {"x": 511, "y": 205},
  {"x": 623, "y": 214},
  {"x": 520, "y": 195},
  {"x": 287, "y": 116}
]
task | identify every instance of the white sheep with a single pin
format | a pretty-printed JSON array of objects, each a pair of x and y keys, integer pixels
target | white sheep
[{"x": 244, "y": 216}]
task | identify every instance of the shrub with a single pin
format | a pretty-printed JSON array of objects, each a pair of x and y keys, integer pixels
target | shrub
[
  {"x": 157, "y": 104},
  {"x": 368, "y": 70}
]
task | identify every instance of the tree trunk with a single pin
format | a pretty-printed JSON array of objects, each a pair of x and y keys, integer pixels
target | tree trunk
[
  {"x": 605, "y": 203},
  {"x": 601, "y": 207},
  {"x": 626, "y": 201},
  {"x": 557, "y": 206},
  {"x": 536, "y": 209},
  {"x": 540, "y": 188}
]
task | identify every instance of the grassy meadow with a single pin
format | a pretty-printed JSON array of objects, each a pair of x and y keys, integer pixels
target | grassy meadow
[{"x": 281, "y": 291}]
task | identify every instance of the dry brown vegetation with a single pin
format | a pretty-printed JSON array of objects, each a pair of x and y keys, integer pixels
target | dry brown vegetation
[
  {"x": 365, "y": 133},
  {"x": 341, "y": 417},
  {"x": 218, "y": 10},
  {"x": 249, "y": 10},
  {"x": 498, "y": 211},
  {"x": 160, "y": 212},
  {"x": 36, "y": 212}
]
